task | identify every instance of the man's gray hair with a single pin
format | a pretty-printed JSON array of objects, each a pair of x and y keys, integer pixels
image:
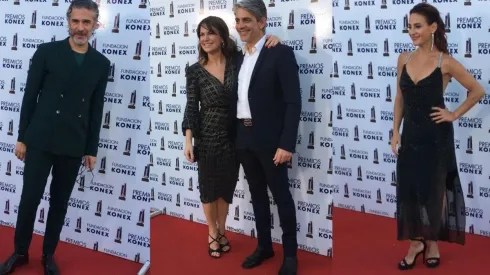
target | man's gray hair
[
  {"x": 83, "y": 4},
  {"x": 256, "y": 7}
]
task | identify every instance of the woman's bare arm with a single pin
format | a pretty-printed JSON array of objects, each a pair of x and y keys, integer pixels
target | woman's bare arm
[
  {"x": 398, "y": 106},
  {"x": 476, "y": 91}
]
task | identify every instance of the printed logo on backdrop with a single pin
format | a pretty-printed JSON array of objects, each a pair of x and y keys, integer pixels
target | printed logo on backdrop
[
  {"x": 142, "y": 4},
  {"x": 485, "y": 100},
  {"x": 299, "y": 45},
  {"x": 10, "y": 209},
  {"x": 113, "y": 97},
  {"x": 13, "y": 63},
  {"x": 30, "y": 42},
  {"x": 46, "y": 20},
  {"x": 346, "y": 25},
  {"x": 475, "y": 72},
  {"x": 157, "y": 10},
  {"x": 188, "y": 166},
  {"x": 361, "y": 48},
  {"x": 483, "y": 48},
  {"x": 316, "y": 68},
  {"x": 305, "y": 19},
  {"x": 110, "y": 49},
  {"x": 172, "y": 69},
  {"x": 212, "y": 5},
  {"x": 146, "y": 103},
  {"x": 331, "y": 45},
  {"x": 133, "y": 75},
  {"x": 167, "y": 30},
  {"x": 187, "y": 50},
  {"x": 364, "y": 3},
  {"x": 275, "y": 21},
  {"x": 9, "y": 106},
  {"x": 130, "y": 24},
  {"x": 3, "y": 41},
  {"x": 106, "y": 189},
  {"x": 395, "y": 3},
  {"x": 469, "y": 22},
  {"x": 181, "y": 7},
  {"x": 14, "y": 19}
]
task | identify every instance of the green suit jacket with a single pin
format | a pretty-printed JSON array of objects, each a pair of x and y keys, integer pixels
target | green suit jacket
[{"x": 63, "y": 102}]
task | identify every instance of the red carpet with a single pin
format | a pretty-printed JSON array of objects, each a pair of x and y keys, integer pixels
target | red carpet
[
  {"x": 180, "y": 247},
  {"x": 366, "y": 244},
  {"x": 71, "y": 259}
]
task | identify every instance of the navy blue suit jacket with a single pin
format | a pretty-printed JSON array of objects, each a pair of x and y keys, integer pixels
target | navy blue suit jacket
[{"x": 275, "y": 99}]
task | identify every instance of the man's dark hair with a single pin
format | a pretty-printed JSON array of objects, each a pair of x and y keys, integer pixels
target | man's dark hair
[
  {"x": 256, "y": 7},
  {"x": 83, "y": 4}
]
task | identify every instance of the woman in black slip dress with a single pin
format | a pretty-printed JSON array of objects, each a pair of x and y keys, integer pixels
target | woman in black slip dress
[
  {"x": 429, "y": 195},
  {"x": 208, "y": 120}
]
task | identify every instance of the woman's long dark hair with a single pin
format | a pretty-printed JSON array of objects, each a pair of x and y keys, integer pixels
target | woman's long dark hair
[
  {"x": 213, "y": 24},
  {"x": 432, "y": 15}
]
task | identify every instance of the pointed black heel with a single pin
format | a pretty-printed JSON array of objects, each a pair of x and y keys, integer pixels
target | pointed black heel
[{"x": 404, "y": 265}]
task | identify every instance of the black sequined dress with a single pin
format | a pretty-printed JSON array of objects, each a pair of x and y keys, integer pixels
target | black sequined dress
[{"x": 430, "y": 200}]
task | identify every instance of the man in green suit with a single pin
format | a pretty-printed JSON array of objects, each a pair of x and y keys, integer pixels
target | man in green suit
[{"x": 60, "y": 121}]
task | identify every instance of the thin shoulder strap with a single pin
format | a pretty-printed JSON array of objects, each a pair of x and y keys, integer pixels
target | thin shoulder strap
[
  {"x": 409, "y": 56},
  {"x": 440, "y": 60}
]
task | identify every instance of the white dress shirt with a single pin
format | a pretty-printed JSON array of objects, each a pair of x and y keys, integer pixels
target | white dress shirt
[{"x": 244, "y": 77}]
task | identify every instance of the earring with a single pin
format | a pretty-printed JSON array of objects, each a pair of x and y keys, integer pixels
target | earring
[{"x": 432, "y": 46}]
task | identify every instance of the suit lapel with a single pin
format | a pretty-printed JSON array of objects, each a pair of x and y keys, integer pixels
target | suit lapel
[
  {"x": 239, "y": 63},
  {"x": 259, "y": 62}
]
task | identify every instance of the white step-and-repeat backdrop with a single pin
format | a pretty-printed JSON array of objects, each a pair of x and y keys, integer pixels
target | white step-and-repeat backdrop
[
  {"x": 109, "y": 208},
  {"x": 368, "y": 37},
  {"x": 305, "y": 26}
]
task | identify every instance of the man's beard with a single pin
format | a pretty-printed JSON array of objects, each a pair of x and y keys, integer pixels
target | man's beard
[{"x": 80, "y": 41}]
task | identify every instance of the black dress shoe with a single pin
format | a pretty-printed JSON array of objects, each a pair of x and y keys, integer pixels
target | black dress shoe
[
  {"x": 257, "y": 257},
  {"x": 289, "y": 266},
  {"x": 49, "y": 265},
  {"x": 13, "y": 262}
]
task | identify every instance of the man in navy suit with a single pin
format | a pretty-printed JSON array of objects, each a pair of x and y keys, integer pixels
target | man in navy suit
[{"x": 268, "y": 108}]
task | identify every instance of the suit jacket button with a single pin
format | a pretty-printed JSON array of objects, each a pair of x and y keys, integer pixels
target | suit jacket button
[
  {"x": 57, "y": 111},
  {"x": 79, "y": 115},
  {"x": 61, "y": 95},
  {"x": 83, "y": 99}
]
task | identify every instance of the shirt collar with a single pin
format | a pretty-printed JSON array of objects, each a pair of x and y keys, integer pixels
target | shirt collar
[{"x": 257, "y": 48}]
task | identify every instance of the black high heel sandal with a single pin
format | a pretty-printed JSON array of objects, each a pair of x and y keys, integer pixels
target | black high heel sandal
[
  {"x": 404, "y": 265},
  {"x": 227, "y": 244},
  {"x": 432, "y": 262},
  {"x": 217, "y": 250}
]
